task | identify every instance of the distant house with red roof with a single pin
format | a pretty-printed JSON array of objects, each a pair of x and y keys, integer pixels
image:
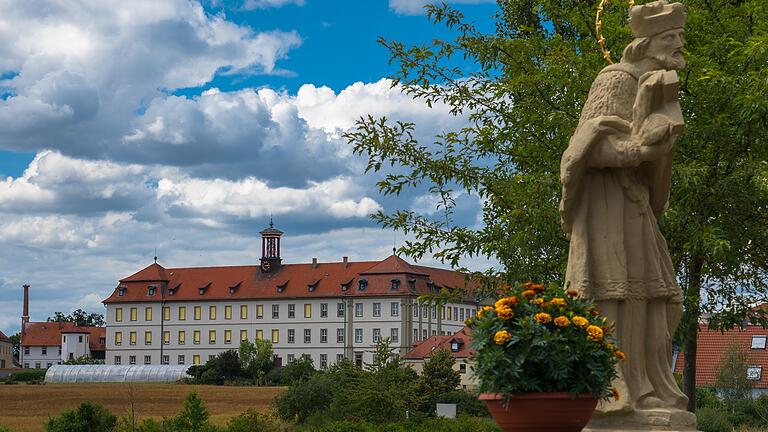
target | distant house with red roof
[
  {"x": 326, "y": 311},
  {"x": 6, "y": 352},
  {"x": 712, "y": 346},
  {"x": 44, "y": 344},
  {"x": 459, "y": 346}
]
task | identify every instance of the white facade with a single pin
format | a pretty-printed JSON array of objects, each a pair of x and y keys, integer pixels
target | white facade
[
  {"x": 325, "y": 329},
  {"x": 40, "y": 357},
  {"x": 75, "y": 345}
]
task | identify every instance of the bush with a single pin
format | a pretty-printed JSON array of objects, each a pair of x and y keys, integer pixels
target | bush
[
  {"x": 31, "y": 376},
  {"x": 713, "y": 421},
  {"x": 707, "y": 397},
  {"x": 225, "y": 367},
  {"x": 461, "y": 424},
  {"x": 87, "y": 417},
  {"x": 298, "y": 370},
  {"x": 253, "y": 421},
  {"x": 302, "y": 400},
  {"x": 466, "y": 403},
  {"x": 193, "y": 416}
]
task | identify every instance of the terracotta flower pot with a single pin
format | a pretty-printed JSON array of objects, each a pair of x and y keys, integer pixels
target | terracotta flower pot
[{"x": 541, "y": 412}]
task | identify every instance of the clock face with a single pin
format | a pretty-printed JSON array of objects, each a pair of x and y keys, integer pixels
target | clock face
[{"x": 266, "y": 266}]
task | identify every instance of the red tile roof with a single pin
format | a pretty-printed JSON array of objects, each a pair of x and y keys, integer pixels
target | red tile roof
[
  {"x": 335, "y": 279},
  {"x": 712, "y": 345},
  {"x": 49, "y": 334},
  {"x": 3, "y": 337},
  {"x": 424, "y": 349}
]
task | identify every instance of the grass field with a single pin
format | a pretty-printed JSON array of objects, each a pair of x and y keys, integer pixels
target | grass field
[{"x": 26, "y": 408}]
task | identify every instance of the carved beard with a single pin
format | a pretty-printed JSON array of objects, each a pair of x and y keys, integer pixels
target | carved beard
[{"x": 671, "y": 62}]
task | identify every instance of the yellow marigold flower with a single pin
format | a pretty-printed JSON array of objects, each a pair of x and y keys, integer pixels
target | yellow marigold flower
[
  {"x": 539, "y": 301},
  {"x": 501, "y": 337},
  {"x": 562, "y": 321},
  {"x": 485, "y": 309},
  {"x": 529, "y": 293},
  {"x": 504, "y": 313},
  {"x": 580, "y": 321},
  {"x": 543, "y": 317},
  {"x": 620, "y": 355},
  {"x": 558, "y": 301},
  {"x": 469, "y": 321},
  {"x": 615, "y": 393},
  {"x": 537, "y": 287},
  {"x": 528, "y": 285},
  {"x": 595, "y": 333},
  {"x": 506, "y": 302}
]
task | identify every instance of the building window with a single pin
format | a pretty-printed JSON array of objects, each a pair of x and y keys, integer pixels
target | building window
[
  {"x": 198, "y": 313},
  {"x": 307, "y": 336},
  {"x": 243, "y": 311},
  {"x": 196, "y": 359},
  {"x": 323, "y": 361},
  {"x": 339, "y": 310},
  {"x": 376, "y": 335},
  {"x": 121, "y": 292},
  {"x": 754, "y": 373},
  {"x": 358, "y": 309},
  {"x": 228, "y": 312},
  {"x": 291, "y": 311},
  {"x": 37, "y": 365},
  {"x": 307, "y": 310},
  {"x": 211, "y": 357},
  {"x": 415, "y": 334},
  {"x": 181, "y": 359},
  {"x": 118, "y": 360},
  {"x": 275, "y": 311},
  {"x": 196, "y": 337},
  {"x": 132, "y": 338},
  {"x": 166, "y": 313},
  {"x": 148, "y": 314},
  {"x": 151, "y": 290},
  {"x": 394, "y": 335},
  {"x": 118, "y": 338},
  {"x": 166, "y": 338},
  {"x": 462, "y": 368},
  {"x": 358, "y": 335},
  {"x": 26, "y": 365},
  {"x": 119, "y": 314},
  {"x": 339, "y": 358},
  {"x": 461, "y": 314},
  {"x": 182, "y": 313},
  {"x": 166, "y": 360},
  {"x": 323, "y": 310},
  {"x": 259, "y": 311},
  {"x": 134, "y": 314},
  {"x": 449, "y": 313},
  {"x": 323, "y": 335},
  {"x": 377, "y": 309},
  {"x": 211, "y": 313},
  {"x": 395, "y": 284},
  {"x": 424, "y": 335},
  {"x": 395, "y": 309},
  {"x": 243, "y": 335},
  {"x": 291, "y": 335},
  {"x": 758, "y": 342},
  {"x": 79, "y": 339},
  {"x": 147, "y": 338},
  {"x": 260, "y": 334},
  {"x": 182, "y": 337},
  {"x": 211, "y": 336},
  {"x": 44, "y": 351},
  {"x": 227, "y": 336},
  {"x": 47, "y": 365},
  {"x": 275, "y": 335},
  {"x": 132, "y": 359},
  {"x": 455, "y": 313},
  {"x": 291, "y": 358},
  {"x": 339, "y": 335},
  {"x": 26, "y": 350}
]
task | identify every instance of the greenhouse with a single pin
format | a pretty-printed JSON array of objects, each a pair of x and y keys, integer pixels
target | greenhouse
[{"x": 111, "y": 373}]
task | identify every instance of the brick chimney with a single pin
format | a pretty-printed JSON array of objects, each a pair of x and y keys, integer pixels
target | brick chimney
[{"x": 25, "y": 313}]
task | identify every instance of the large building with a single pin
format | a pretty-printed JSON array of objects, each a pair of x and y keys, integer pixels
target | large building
[
  {"x": 6, "y": 352},
  {"x": 326, "y": 311}
]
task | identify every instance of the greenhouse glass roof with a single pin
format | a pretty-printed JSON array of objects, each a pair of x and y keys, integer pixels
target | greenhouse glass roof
[{"x": 112, "y": 373}]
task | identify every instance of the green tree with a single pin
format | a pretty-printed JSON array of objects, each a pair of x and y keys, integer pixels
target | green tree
[
  {"x": 80, "y": 318},
  {"x": 438, "y": 376},
  {"x": 298, "y": 370},
  {"x": 522, "y": 97},
  {"x": 193, "y": 416},
  {"x": 731, "y": 381},
  {"x": 87, "y": 417},
  {"x": 15, "y": 343},
  {"x": 84, "y": 360},
  {"x": 256, "y": 358}
]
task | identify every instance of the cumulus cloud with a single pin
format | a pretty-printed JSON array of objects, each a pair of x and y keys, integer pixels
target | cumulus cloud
[
  {"x": 416, "y": 7},
  {"x": 263, "y": 4}
]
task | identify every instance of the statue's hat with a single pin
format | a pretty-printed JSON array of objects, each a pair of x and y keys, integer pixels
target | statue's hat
[{"x": 656, "y": 17}]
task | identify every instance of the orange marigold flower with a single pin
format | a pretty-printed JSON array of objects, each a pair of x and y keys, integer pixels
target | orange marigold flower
[
  {"x": 469, "y": 321},
  {"x": 501, "y": 337},
  {"x": 572, "y": 293},
  {"x": 528, "y": 285},
  {"x": 558, "y": 301},
  {"x": 595, "y": 333},
  {"x": 594, "y": 312},
  {"x": 506, "y": 302},
  {"x": 562, "y": 321},
  {"x": 504, "y": 313},
  {"x": 537, "y": 287},
  {"x": 543, "y": 317},
  {"x": 620, "y": 355},
  {"x": 529, "y": 293},
  {"x": 615, "y": 393},
  {"x": 580, "y": 321},
  {"x": 539, "y": 301},
  {"x": 485, "y": 309}
]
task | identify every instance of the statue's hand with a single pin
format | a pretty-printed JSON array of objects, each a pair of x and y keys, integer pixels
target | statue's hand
[
  {"x": 656, "y": 152},
  {"x": 605, "y": 125}
]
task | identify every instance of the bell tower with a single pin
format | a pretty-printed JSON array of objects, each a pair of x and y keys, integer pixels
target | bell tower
[{"x": 270, "y": 248}]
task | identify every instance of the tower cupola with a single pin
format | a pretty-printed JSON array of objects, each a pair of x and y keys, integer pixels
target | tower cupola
[{"x": 270, "y": 248}]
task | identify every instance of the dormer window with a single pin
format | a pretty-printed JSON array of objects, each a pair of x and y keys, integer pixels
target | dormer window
[
  {"x": 151, "y": 290},
  {"x": 395, "y": 284},
  {"x": 454, "y": 346},
  {"x": 281, "y": 287},
  {"x": 431, "y": 286},
  {"x": 121, "y": 292},
  {"x": 173, "y": 290},
  {"x": 233, "y": 289},
  {"x": 313, "y": 286},
  {"x": 362, "y": 284},
  {"x": 412, "y": 284},
  {"x": 203, "y": 289},
  {"x": 345, "y": 286}
]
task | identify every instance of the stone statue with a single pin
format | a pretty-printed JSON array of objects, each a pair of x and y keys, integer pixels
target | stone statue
[{"x": 616, "y": 180}]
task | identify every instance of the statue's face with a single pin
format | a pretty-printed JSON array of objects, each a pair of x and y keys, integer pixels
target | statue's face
[{"x": 667, "y": 48}]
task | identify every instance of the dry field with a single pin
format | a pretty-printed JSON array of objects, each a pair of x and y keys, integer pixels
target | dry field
[{"x": 25, "y": 408}]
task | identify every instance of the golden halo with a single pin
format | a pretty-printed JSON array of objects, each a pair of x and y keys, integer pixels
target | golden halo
[{"x": 599, "y": 28}]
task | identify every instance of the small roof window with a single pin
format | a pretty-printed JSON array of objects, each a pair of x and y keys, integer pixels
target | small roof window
[
  {"x": 233, "y": 289},
  {"x": 395, "y": 284},
  {"x": 758, "y": 342},
  {"x": 313, "y": 286},
  {"x": 151, "y": 290},
  {"x": 281, "y": 287},
  {"x": 121, "y": 291},
  {"x": 362, "y": 284},
  {"x": 754, "y": 372},
  {"x": 203, "y": 289}
]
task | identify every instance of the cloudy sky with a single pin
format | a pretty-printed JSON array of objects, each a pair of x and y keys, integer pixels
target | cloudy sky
[{"x": 179, "y": 126}]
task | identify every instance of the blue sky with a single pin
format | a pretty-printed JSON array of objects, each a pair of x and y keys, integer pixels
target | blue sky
[{"x": 180, "y": 126}]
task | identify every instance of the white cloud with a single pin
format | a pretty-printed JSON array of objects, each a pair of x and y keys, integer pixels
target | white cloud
[
  {"x": 416, "y": 7},
  {"x": 263, "y": 4}
]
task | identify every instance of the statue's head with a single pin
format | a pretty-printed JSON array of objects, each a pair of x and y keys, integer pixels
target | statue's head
[{"x": 658, "y": 31}]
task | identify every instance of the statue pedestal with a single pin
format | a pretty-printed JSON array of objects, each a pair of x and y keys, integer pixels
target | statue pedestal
[{"x": 652, "y": 420}]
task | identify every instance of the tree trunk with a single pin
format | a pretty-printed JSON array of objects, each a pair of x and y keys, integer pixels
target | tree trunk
[{"x": 691, "y": 330}]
